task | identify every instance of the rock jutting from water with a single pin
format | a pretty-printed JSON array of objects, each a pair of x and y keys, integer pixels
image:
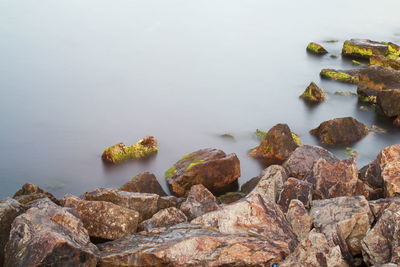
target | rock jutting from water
[
  {"x": 362, "y": 48},
  {"x": 346, "y": 76},
  {"x": 313, "y": 94},
  {"x": 144, "y": 183},
  {"x": 316, "y": 48}
]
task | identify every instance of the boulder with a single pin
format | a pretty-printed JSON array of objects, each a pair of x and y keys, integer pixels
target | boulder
[
  {"x": 388, "y": 101},
  {"x": 276, "y": 146},
  {"x": 198, "y": 202},
  {"x": 301, "y": 161},
  {"x": 378, "y": 206},
  {"x": 362, "y": 48},
  {"x": 316, "y": 49},
  {"x": 370, "y": 174},
  {"x": 48, "y": 235},
  {"x": 315, "y": 251},
  {"x": 230, "y": 197},
  {"x": 295, "y": 189},
  {"x": 119, "y": 152},
  {"x": 144, "y": 203},
  {"x": 299, "y": 219},
  {"x": 103, "y": 219},
  {"x": 387, "y": 62},
  {"x": 188, "y": 245},
  {"x": 30, "y": 192},
  {"x": 346, "y": 76},
  {"x": 248, "y": 186},
  {"x": 313, "y": 94},
  {"x": 144, "y": 183},
  {"x": 340, "y": 131},
  {"x": 388, "y": 161},
  {"x": 212, "y": 168},
  {"x": 163, "y": 218},
  {"x": 169, "y": 202}
]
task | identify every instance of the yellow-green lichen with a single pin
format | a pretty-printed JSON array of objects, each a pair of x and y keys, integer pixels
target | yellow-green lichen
[
  {"x": 355, "y": 50},
  {"x": 133, "y": 178},
  {"x": 170, "y": 172},
  {"x": 393, "y": 50},
  {"x": 339, "y": 76},
  {"x": 191, "y": 165},
  {"x": 350, "y": 152},
  {"x": 296, "y": 139},
  {"x": 367, "y": 99},
  {"x": 260, "y": 134},
  {"x": 316, "y": 48},
  {"x": 185, "y": 156},
  {"x": 355, "y": 62}
]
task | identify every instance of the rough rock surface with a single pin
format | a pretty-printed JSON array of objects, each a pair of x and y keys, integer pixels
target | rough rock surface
[
  {"x": 316, "y": 48},
  {"x": 199, "y": 201},
  {"x": 388, "y": 161},
  {"x": 387, "y": 62},
  {"x": 188, "y": 245},
  {"x": 144, "y": 183},
  {"x": 48, "y": 235},
  {"x": 248, "y": 186},
  {"x": 231, "y": 197},
  {"x": 299, "y": 219},
  {"x": 362, "y": 48},
  {"x": 212, "y": 168},
  {"x": 301, "y": 161},
  {"x": 276, "y": 146},
  {"x": 378, "y": 206},
  {"x": 144, "y": 203},
  {"x": 313, "y": 94},
  {"x": 340, "y": 131},
  {"x": 30, "y": 192},
  {"x": 103, "y": 219},
  {"x": 388, "y": 102},
  {"x": 169, "y": 201},
  {"x": 315, "y": 251},
  {"x": 295, "y": 189},
  {"x": 346, "y": 76},
  {"x": 370, "y": 174},
  {"x": 163, "y": 218}
]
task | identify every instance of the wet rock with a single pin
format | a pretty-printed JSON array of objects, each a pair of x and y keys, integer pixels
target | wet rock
[
  {"x": 169, "y": 202},
  {"x": 370, "y": 174},
  {"x": 388, "y": 102},
  {"x": 276, "y": 146},
  {"x": 346, "y": 76},
  {"x": 199, "y": 201},
  {"x": 163, "y": 218},
  {"x": 340, "y": 131},
  {"x": 315, "y": 251},
  {"x": 314, "y": 94},
  {"x": 48, "y": 235},
  {"x": 301, "y": 161},
  {"x": 144, "y": 183},
  {"x": 388, "y": 161},
  {"x": 299, "y": 219},
  {"x": 248, "y": 186},
  {"x": 103, "y": 219},
  {"x": 251, "y": 215},
  {"x": 362, "y": 48},
  {"x": 30, "y": 192},
  {"x": 212, "y": 168},
  {"x": 185, "y": 245},
  {"x": 119, "y": 152},
  {"x": 378, "y": 206},
  {"x": 144, "y": 203},
  {"x": 295, "y": 189},
  {"x": 230, "y": 197},
  {"x": 316, "y": 49},
  {"x": 344, "y": 221},
  {"x": 387, "y": 62},
  {"x": 381, "y": 243}
]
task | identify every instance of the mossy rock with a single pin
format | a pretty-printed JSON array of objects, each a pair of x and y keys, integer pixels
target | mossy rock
[
  {"x": 390, "y": 61},
  {"x": 362, "y": 48},
  {"x": 313, "y": 94},
  {"x": 346, "y": 76},
  {"x": 316, "y": 49}
]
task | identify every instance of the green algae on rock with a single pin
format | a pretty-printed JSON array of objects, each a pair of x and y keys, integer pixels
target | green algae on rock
[
  {"x": 120, "y": 152},
  {"x": 316, "y": 48},
  {"x": 313, "y": 94},
  {"x": 390, "y": 61},
  {"x": 346, "y": 76},
  {"x": 362, "y": 48}
]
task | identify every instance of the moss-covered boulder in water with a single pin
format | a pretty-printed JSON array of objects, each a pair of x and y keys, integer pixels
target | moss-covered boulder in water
[
  {"x": 212, "y": 168},
  {"x": 362, "y": 48},
  {"x": 346, "y": 76},
  {"x": 392, "y": 62},
  {"x": 316, "y": 48},
  {"x": 120, "y": 152},
  {"x": 314, "y": 94}
]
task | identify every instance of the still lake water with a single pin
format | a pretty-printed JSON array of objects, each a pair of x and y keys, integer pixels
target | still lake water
[{"x": 78, "y": 76}]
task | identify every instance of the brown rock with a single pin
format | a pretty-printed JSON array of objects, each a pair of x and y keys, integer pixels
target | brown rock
[
  {"x": 388, "y": 161},
  {"x": 386, "y": 62},
  {"x": 370, "y": 174},
  {"x": 163, "y": 218},
  {"x": 104, "y": 219},
  {"x": 48, "y": 235},
  {"x": 212, "y": 168},
  {"x": 362, "y": 48},
  {"x": 144, "y": 203},
  {"x": 340, "y": 131},
  {"x": 169, "y": 202},
  {"x": 315, "y": 251},
  {"x": 144, "y": 183},
  {"x": 378, "y": 206},
  {"x": 316, "y": 48},
  {"x": 295, "y": 189},
  {"x": 299, "y": 219},
  {"x": 388, "y": 101},
  {"x": 230, "y": 197},
  {"x": 313, "y": 94},
  {"x": 248, "y": 186},
  {"x": 30, "y": 192},
  {"x": 365, "y": 190},
  {"x": 276, "y": 146}
]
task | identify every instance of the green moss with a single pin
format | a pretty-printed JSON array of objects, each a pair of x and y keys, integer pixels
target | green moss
[
  {"x": 296, "y": 139},
  {"x": 334, "y": 56},
  {"x": 133, "y": 178},
  {"x": 350, "y": 152},
  {"x": 354, "y": 50},
  {"x": 316, "y": 48},
  {"x": 191, "y": 165},
  {"x": 107, "y": 149},
  {"x": 339, "y": 76},
  {"x": 260, "y": 134},
  {"x": 170, "y": 172},
  {"x": 184, "y": 157},
  {"x": 367, "y": 99},
  {"x": 355, "y": 62},
  {"x": 393, "y": 50},
  {"x": 228, "y": 135}
]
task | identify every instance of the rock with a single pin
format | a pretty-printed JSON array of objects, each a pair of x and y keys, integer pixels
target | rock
[
  {"x": 212, "y": 168},
  {"x": 301, "y": 161},
  {"x": 315, "y": 251},
  {"x": 103, "y": 219},
  {"x": 169, "y": 202},
  {"x": 295, "y": 189},
  {"x": 378, "y": 206},
  {"x": 370, "y": 174},
  {"x": 185, "y": 245},
  {"x": 388, "y": 102},
  {"x": 381, "y": 243},
  {"x": 119, "y": 152},
  {"x": 276, "y": 146},
  {"x": 316, "y": 49},
  {"x": 48, "y": 235},
  {"x": 387, "y": 62},
  {"x": 340, "y": 131},
  {"x": 346, "y": 76},
  {"x": 248, "y": 186},
  {"x": 368, "y": 192},
  {"x": 198, "y": 202},
  {"x": 30, "y": 192},
  {"x": 344, "y": 221},
  {"x": 144, "y": 183},
  {"x": 230, "y": 197},
  {"x": 345, "y": 93},
  {"x": 9, "y": 210},
  {"x": 388, "y": 161},
  {"x": 393, "y": 49},
  {"x": 362, "y": 48},
  {"x": 299, "y": 219},
  {"x": 163, "y": 218},
  {"x": 251, "y": 215},
  {"x": 314, "y": 94},
  {"x": 144, "y": 203},
  {"x": 271, "y": 183}
]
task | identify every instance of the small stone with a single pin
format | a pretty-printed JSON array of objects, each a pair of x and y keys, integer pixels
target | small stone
[
  {"x": 345, "y": 93},
  {"x": 199, "y": 201},
  {"x": 313, "y": 94},
  {"x": 388, "y": 101},
  {"x": 316, "y": 48},
  {"x": 362, "y": 48},
  {"x": 163, "y": 218},
  {"x": 169, "y": 202},
  {"x": 378, "y": 129}
]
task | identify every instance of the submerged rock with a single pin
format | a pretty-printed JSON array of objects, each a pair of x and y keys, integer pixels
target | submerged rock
[
  {"x": 388, "y": 161},
  {"x": 144, "y": 183},
  {"x": 347, "y": 76},
  {"x": 387, "y": 62},
  {"x": 388, "y": 102},
  {"x": 340, "y": 131},
  {"x": 362, "y": 48},
  {"x": 212, "y": 168},
  {"x": 163, "y": 218},
  {"x": 313, "y": 94},
  {"x": 30, "y": 192},
  {"x": 299, "y": 219},
  {"x": 120, "y": 152},
  {"x": 316, "y": 48}
]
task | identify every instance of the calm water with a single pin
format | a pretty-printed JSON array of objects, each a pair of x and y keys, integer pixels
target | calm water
[{"x": 78, "y": 76}]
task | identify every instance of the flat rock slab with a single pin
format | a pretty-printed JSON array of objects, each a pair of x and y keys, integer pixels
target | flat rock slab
[
  {"x": 363, "y": 48},
  {"x": 346, "y": 76},
  {"x": 144, "y": 183},
  {"x": 199, "y": 201},
  {"x": 163, "y": 218},
  {"x": 388, "y": 161}
]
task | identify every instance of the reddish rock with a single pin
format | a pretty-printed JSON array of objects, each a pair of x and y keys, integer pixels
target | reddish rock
[
  {"x": 212, "y": 168},
  {"x": 378, "y": 206},
  {"x": 370, "y": 174},
  {"x": 48, "y": 235},
  {"x": 276, "y": 146},
  {"x": 365, "y": 190},
  {"x": 30, "y": 192},
  {"x": 230, "y": 197},
  {"x": 144, "y": 183},
  {"x": 363, "y": 48},
  {"x": 388, "y": 161},
  {"x": 295, "y": 189},
  {"x": 313, "y": 94},
  {"x": 299, "y": 219},
  {"x": 199, "y": 201},
  {"x": 388, "y": 101},
  {"x": 103, "y": 219},
  {"x": 163, "y": 218},
  {"x": 248, "y": 186},
  {"x": 340, "y": 131}
]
